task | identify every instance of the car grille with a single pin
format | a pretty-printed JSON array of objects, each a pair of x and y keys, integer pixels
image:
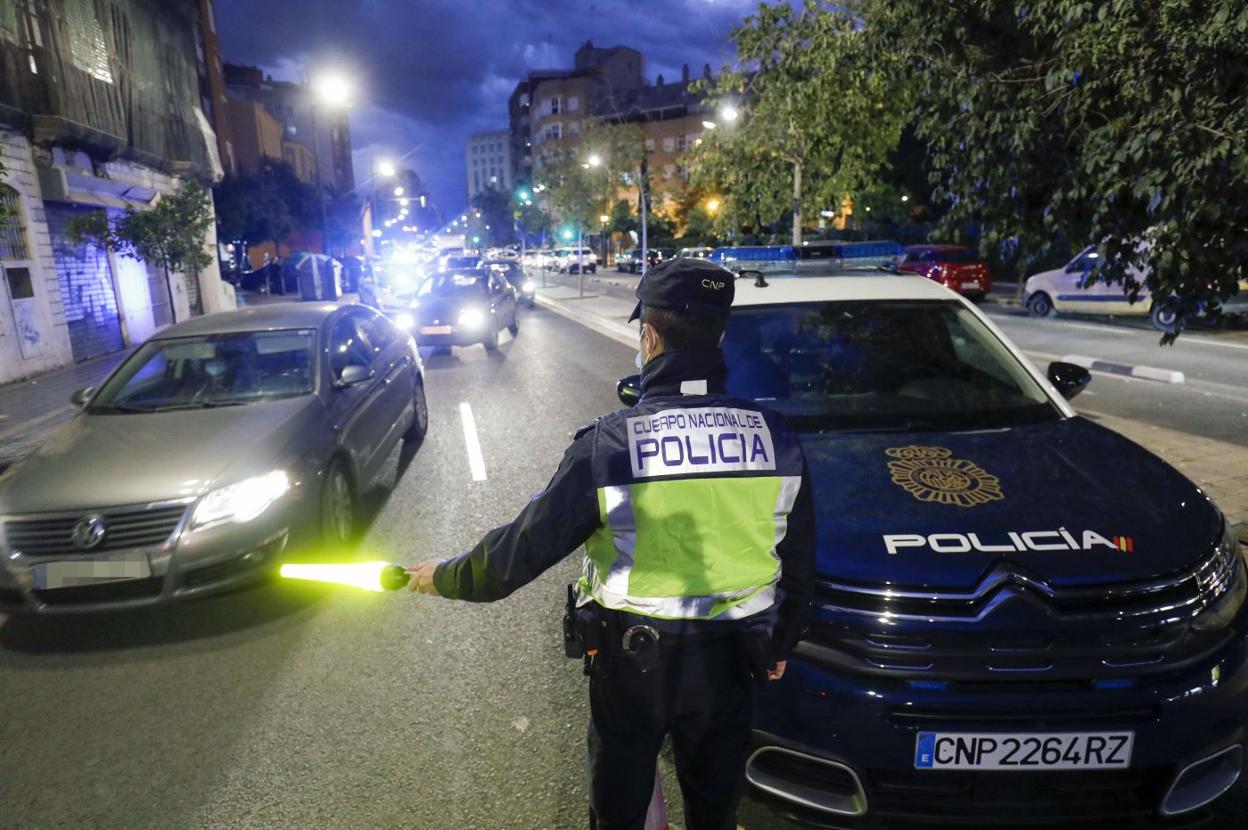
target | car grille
[
  {"x": 126, "y": 527},
  {"x": 1014, "y": 627},
  {"x": 1127, "y": 798},
  {"x": 122, "y": 589}
]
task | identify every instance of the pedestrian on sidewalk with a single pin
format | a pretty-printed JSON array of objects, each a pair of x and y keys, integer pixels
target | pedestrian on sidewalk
[{"x": 696, "y": 514}]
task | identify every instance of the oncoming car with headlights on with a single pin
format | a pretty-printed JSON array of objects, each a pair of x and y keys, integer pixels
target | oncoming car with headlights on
[
  {"x": 1020, "y": 615},
  {"x": 209, "y": 452},
  {"x": 463, "y": 308}
]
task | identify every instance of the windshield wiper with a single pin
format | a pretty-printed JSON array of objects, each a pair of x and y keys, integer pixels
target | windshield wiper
[
  {"x": 123, "y": 408},
  {"x": 199, "y": 405}
]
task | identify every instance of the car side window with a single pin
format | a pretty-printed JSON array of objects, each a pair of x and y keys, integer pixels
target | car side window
[
  {"x": 379, "y": 332},
  {"x": 348, "y": 346}
]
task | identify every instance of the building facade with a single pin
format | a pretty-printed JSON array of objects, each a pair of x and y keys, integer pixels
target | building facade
[
  {"x": 326, "y": 132},
  {"x": 82, "y": 130},
  {"x": 488, "y": 159}
]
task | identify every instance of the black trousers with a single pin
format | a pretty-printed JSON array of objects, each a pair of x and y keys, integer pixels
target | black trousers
[{"x": 701, "y": 693}]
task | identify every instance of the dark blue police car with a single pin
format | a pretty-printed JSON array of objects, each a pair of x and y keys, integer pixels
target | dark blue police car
[{"x": 1021, "y": 616}]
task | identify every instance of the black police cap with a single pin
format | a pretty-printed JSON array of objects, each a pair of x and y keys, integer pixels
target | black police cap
[{"x": 687, "y": 286}]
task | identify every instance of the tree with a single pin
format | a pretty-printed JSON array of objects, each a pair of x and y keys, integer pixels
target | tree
[
  {"x": 582, "y": 182},
  {"x": 268, "y": 206},
  {"x": 171, "y": 234},
  {"x": 496, "y": 223},
  {"x": 1061, "y": 122},
  {"x": 819, "y": 112}
]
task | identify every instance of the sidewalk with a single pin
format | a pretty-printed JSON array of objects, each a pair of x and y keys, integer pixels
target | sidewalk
[
  {"x": 1219, "y": 468},
  {"x": 30, "y": 409}
]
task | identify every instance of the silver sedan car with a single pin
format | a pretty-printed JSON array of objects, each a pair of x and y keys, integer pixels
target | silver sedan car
[{"x": 216, "y": 445}]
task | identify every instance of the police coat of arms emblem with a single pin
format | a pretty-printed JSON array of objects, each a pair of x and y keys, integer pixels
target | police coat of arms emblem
[{"x": 930, "y": 474}]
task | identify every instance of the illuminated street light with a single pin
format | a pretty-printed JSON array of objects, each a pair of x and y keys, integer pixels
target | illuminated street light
[
  {"x": 729, "y": 113},
  {"x": 594, "y": 160},
  {"x": 386, "y": 169},
  {"x": 403, "y": 202},
  {"x": 333, "y": 89},
  {"x": 398, "y": 191},
  {"x": 709, "y": 125},
  {"x": 905, "y": 198},
  {"x": 566, "y": 233},
  {"x": 604, "y": 219},
  {"x": 377, "y": 233}
]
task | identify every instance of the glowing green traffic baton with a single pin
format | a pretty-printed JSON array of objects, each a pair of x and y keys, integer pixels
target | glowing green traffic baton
[{"x": 371, "y": 576}]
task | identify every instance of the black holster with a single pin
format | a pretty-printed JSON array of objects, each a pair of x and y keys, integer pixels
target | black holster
[
  {"x": 583, "y": 629},
  {"x": 758, "y": 654}
]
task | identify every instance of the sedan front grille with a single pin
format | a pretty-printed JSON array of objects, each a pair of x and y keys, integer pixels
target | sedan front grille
[{"x": 124, "y": 527}]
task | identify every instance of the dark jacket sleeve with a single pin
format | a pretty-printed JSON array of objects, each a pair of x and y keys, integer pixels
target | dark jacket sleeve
[
  {"x": 797, "y": 576},
  {"x": 554, "y": 524}
]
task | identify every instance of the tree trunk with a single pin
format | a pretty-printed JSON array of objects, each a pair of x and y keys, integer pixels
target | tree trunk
[
  {"x": 173, "y": 306},
  {"x": 797, "y": 202}
]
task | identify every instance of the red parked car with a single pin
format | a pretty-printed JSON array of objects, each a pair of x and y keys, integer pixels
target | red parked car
[{"x": 953, "y": 266}]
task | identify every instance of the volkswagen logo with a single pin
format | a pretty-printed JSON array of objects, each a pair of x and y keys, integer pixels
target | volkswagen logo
[{"x": 88, "y": 533}]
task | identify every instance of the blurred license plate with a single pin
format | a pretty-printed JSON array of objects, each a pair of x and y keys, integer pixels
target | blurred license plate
[
  {"x": 1023, "y": 751},
  {"x": 435, "y": 329},
  {"x": 77, "y": 572},
  {"x": 970, "y": 286}
]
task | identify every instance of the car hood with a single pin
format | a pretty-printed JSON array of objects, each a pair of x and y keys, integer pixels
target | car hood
[
  {"x": 104, "y": 460},
  {"x": 1085, "y": 505}
]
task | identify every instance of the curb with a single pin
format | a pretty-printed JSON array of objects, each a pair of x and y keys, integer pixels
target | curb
[
  {"x": 1142, "y": 372},
  {"x": 616, "y": 331}
]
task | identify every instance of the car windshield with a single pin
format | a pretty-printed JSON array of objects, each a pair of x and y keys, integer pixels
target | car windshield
[
  {"x": 955, "y": 257},
  {"x": 880, "y": 366},
  {"x": 455, "y": 285},
  {"x": 209, "y": 371}
]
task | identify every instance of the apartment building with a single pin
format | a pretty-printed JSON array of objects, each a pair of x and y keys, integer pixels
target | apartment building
[{"x": 487, "y": 157}]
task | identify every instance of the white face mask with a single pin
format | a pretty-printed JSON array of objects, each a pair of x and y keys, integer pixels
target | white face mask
[{"x": 638, "y": 362}]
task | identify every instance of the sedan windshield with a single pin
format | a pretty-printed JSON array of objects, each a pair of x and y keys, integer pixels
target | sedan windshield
[
  {"x": 455, "y": 285},
  {"x": 214, "y": 370},
  {"x": 880, "y": 366}
]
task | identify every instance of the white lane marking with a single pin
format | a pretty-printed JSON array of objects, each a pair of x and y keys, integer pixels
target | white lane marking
[
  {"x": 1109, "y": 328},
  {"x": 476, "y": 461},
  {"x": 1202, "y": 341}
]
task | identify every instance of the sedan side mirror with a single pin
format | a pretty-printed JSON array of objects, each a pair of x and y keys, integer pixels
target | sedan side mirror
[
  {"x": 629, "y": 390},
  {"x": 82, "y": 396},
  {"x": 353, "y": 375},
  {"x": 1069, "y": 379}
]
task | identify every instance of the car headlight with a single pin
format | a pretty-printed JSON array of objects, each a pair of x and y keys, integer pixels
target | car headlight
[
  {"x": 471, "y": 318},
  {"x": 241, "y": 502},
  {"x": 528, "y": 285},
  {"x": 404, "y": 320},
  {"x": 1226, "y": 586}
]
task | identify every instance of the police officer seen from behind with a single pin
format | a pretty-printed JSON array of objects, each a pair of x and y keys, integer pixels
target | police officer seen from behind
[{"x": 695, "y": 512}]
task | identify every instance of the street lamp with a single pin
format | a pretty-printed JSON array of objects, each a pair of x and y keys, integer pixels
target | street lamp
[
  {"x": 398, "y": 191},
  {"x": 331, "y": 90},
  {"x": 386, "y": 169},
  {"x": 594, "y": 160},
  {"x": 729, "y": 113},
  {"x": 709, "y": 125},
  {"x": 712, "y": 205},
  {"x": 604, "y": 219}
]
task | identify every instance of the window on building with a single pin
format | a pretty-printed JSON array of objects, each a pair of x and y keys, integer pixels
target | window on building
[
  {"x": 87, "y": 48},
  {"x": 649, "y": 145},
  {"x": 682, "y": 172},
  {"x": 680, "y": 143},
  {"x": 554, "y": 106},
  {"x": 575, "y": 128},
  {"x": 669, "y": 170},
  {"x": 669, "y": 145},
  {"x": 13, "y": 244},
  {"x": 574, "y": 103}
]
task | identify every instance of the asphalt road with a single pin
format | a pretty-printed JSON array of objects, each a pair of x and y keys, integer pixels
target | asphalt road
[{"x": 294, "y": 706}]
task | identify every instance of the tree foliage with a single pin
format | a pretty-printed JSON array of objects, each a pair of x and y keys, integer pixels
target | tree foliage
[
  {"x": 577, "y": 191},
  {"x": 496, "y": 225},
  {"x": 1067, "y": 122},
  {"x": 171, "y": 234},
  {"x": 268, "y": 206},
  {"x": 819, "y": 112}
]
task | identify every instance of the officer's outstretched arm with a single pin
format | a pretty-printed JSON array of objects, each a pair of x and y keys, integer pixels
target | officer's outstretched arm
[{"x": 554, "y": 524}]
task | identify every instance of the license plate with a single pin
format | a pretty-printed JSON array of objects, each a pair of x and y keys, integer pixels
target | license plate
[
  {"x": 970, "y": 286},
  {"x": 1023, "y": 750},
  {"x": 435, "y": 329},
  {"x": 76, "y": 572}
]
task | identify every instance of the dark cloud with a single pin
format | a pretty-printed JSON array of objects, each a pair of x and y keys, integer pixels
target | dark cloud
[{"x": 432, "y": 72}]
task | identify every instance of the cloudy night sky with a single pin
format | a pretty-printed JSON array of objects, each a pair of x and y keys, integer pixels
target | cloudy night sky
[{"x": 429, "y": 73}]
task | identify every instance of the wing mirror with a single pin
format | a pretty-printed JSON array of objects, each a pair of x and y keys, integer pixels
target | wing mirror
[
  {"x": 629, "y": 390},
  {"x": 1069, "y": 379},
  {"x": 82, "y": 396},
  {"x": 353, "y": 375}
]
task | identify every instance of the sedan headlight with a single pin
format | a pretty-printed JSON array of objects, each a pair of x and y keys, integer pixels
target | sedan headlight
[
  {"x": 404, "y": 320},
  {"x": 241, "y": 502},
  {"x": 1227, "y": 587},
  {"x": 471, "y": 318},
  {"x": 528, "y": 285}
]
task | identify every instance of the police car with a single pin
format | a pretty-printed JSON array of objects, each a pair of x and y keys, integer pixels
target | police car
[{"x": 1020, "y": 615}]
